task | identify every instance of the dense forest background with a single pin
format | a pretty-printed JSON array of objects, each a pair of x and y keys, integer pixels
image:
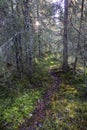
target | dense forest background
[{"x": 43, "y": 64}]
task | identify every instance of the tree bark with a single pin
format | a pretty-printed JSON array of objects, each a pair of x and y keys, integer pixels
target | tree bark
[
  {"x": 65, "y": 39},
  {"x": 79, "y": 36},
  {"x": 18, "y": 54},
  {"x": 29, "y": 28},
  {"x": 17, "y": 44}
]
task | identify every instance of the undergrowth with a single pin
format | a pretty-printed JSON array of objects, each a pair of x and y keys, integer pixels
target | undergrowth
[
  {"x": 13, "y": 112},
  {"x": 68, "y": 105}
]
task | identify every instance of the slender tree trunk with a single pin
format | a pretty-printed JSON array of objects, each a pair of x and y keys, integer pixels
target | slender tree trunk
[
  {"x": 79, "y": 37},
  {"x": 39, "y": 31},
  {"x": 65, "y": 40},
  {"x": 17, "y": 43},
  {"x": 29, "y": 28},
  {"x": 39, "y": 45},
  {"x": 84, "y": 63},
  {"x": 18, "y": 51}
]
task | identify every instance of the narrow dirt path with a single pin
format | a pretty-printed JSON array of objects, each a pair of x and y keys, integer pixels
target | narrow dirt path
[{"x": 43, "y": 105}]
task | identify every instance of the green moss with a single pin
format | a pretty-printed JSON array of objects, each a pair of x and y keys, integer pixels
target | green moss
[{"x": 21, "y": 108}]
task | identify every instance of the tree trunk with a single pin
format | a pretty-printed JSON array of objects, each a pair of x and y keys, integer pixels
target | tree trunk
[
  {"x": 79, "y": 37},
  {"x": 38, "y": 29},
  {"x": 17, "y": 44},
  {"x": 18, "y": 51},
  {"x": 65, "y": 40},
  {"x": 29, "y": 28}
]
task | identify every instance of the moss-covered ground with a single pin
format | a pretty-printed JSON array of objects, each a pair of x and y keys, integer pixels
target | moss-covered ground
[{"x": 49, "y": 100}]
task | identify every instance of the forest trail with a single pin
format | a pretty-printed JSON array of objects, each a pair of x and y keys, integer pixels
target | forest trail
[{"x": 43, "y": 106}]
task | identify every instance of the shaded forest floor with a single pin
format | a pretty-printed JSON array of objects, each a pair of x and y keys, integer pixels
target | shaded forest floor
[
  {"x": 51, "y": 100},
  {"x": 43, "y": 106},
  {"x": 62, "y": 107}
]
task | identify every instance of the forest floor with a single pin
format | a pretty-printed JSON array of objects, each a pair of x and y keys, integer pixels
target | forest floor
[
  {"x": 50, "y": 100},
  {"x": 43, "y": 106},
  {"x": 62, "y": 107}
]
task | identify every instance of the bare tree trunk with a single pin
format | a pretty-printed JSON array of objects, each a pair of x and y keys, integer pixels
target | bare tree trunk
[
  {"x": 79, "y": 36},
  {"x": 65, "y": 40},
  {"x": 85, "y": 66},
  {"x": 18, "y": 50},
  {"x": 39, "y": 31},
  {"x": 17, "y": 44},
  {"x": 39, "y": 44},
  {"x": 29, "y": 28}
]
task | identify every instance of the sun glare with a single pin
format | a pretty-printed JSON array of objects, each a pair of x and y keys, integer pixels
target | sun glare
[{"x": 37, "y": 23}]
